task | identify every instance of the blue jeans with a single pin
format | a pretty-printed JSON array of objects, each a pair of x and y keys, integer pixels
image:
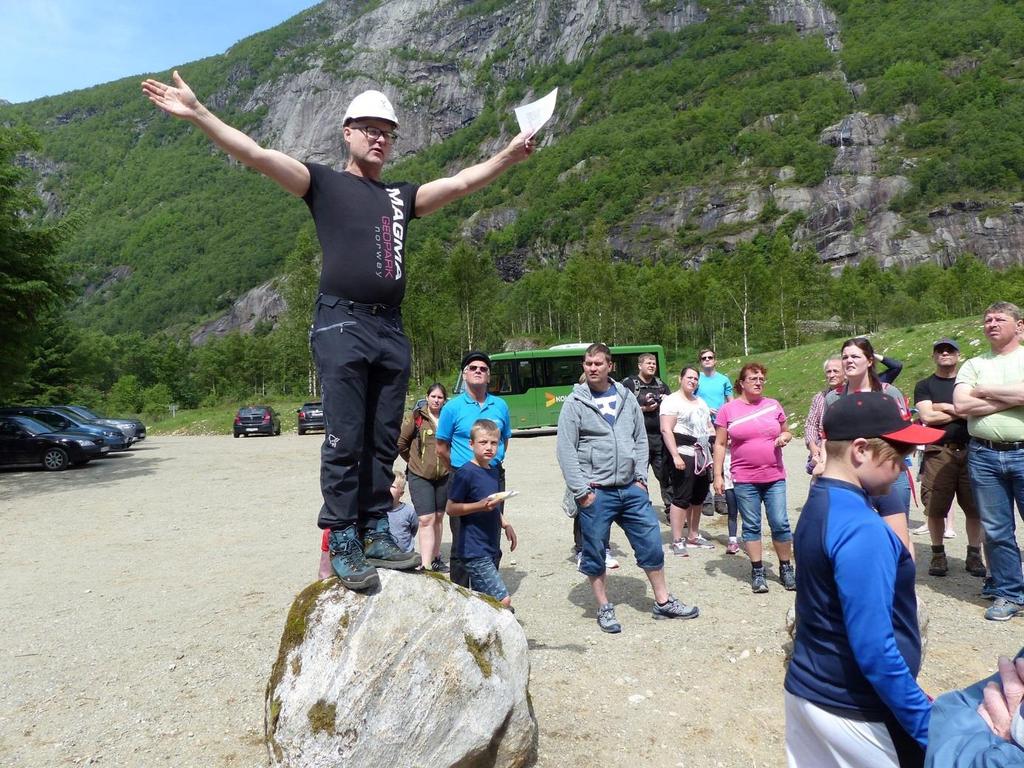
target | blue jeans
[
  {"x": 484, "y": 577},
  {"x": 750, "y": 497},
  {"x": 997, "y": 478},
  {"x": 630, "y": 507}
]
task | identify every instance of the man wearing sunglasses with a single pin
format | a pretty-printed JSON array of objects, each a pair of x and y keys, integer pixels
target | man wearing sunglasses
[
  {"x": 453, "y": 431},
  {"x": 360, "y": 348}
]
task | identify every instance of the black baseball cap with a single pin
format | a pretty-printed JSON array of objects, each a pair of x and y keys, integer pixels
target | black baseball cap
[
  {"x": 874, "y": 414},
  {"x": 946, "y": 343},
  {"x": 475, "y": 354}
]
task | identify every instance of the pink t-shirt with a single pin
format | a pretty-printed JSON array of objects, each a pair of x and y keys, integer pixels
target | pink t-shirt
[{"x": 752, "y": 432}]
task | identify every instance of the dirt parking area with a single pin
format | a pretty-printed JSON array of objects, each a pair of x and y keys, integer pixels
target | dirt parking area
[{"x": 145, "y": 594}]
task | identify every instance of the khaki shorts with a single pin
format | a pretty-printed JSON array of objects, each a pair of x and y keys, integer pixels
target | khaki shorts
[{"x": 944, "y": 478}]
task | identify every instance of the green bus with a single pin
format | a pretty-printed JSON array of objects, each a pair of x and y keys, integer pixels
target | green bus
[{"x": 535, "y": 382}]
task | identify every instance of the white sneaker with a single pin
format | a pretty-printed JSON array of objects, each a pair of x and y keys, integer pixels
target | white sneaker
[
  {"x": 921, "y": 529},
  {"x": 949, "y": 535},
  {"x": 678, "y": 547},
  {"x": 610, "y": 563}
]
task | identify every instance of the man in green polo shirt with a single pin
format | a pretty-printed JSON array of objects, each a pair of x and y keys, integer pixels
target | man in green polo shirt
[{"x": 989, "y": 392}]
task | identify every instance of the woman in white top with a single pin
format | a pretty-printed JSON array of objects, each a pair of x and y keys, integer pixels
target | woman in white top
[{"x": 686, "y": 431}]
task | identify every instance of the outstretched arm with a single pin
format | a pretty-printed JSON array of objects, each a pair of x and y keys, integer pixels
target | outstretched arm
[
  {"x": 438, "y": 193},
  {"x": 179, "y": 101}
]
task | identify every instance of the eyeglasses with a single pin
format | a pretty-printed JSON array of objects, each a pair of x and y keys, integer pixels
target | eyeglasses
[
  {"x": 477, "y": 368},
  {"x": 756, "y": 379},
  {"x": 707, "y": 357},
  {"x": 372, "y": 133}
]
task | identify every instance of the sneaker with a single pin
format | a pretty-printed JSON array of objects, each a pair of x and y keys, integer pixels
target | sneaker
[
  {"x": 606, "y": 619},
  {"x": 988, "y": 588},
  {"x": 439, "y": 566},
  {"x": 920, "y": 530},
  {"x": 949, "y": 534},
  {"x": 787, "y": 575},
  {"x": 673, "y": 609},
  {"x": 758, "y": 583},
  {"x": 939, "y": 565},
  {"x": 678, "y": 548},
  {"x": 974, "y": 564},
  {"x": 579, "y": 562},
  {"x": 1003, "y": 610},
  {"x": 349, "y": 562},
  {"x": 700, "y": 543},
  {"x": 732, "y": 548},
  {"x": 610, "y": 563},
  {"x": 382, "y": 550}
]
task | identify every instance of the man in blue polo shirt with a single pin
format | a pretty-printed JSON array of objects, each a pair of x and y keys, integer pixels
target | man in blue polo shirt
[{"x": 457, "y": 419}]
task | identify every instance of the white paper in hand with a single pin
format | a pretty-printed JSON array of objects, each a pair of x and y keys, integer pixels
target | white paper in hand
[{"x": 532, "y": 116}]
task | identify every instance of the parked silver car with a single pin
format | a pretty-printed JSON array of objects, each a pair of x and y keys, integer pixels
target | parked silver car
[{"x": 133, "y": 429}]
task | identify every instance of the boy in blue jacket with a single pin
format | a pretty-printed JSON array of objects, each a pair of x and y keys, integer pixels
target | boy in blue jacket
[{"x": 852, "y": 697}]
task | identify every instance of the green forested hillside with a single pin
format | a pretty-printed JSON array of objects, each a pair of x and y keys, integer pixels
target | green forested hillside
[{"x": 726, "y": 101}]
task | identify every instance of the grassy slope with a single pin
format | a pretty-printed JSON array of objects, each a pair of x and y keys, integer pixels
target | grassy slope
[{"x": 794, "y": 375}]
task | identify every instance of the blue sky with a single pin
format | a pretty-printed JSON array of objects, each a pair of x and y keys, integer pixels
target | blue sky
[{"x": 52, "y": 46}]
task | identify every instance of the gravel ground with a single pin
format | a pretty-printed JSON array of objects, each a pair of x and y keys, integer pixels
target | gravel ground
[{"x": 145, "y": 594}]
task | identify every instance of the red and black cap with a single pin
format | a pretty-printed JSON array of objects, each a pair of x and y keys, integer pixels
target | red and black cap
[{"x": 873, "y": 414}]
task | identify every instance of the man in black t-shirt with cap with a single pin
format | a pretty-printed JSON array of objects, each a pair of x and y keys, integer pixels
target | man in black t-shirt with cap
[
  {"x": 944, "y": 470},
  {"x": 361, "y": 351}
]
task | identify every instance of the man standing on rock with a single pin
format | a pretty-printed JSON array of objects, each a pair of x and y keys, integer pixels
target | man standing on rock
[
  {"x": 359, "y": 345},
  {"x": 649, "y": 391},
  {"x": 944, "y": 472},
  {"x": 989, "y": 391},
  {"x": 602, "y": 450}
]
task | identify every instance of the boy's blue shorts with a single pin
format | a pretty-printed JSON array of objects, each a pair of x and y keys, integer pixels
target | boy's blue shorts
[{"x": 484, "y": 577}]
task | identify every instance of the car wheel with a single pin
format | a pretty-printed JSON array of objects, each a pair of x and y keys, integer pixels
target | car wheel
[
  {"x": 236, "y": 435},
  {"x": 55, "y": 459},
  {"x": 302, "y": 431},
  {"x": 278, "y": 432}
]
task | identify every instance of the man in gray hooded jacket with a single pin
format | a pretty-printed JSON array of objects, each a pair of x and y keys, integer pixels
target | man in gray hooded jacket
[{"x": 602, "y": 450}]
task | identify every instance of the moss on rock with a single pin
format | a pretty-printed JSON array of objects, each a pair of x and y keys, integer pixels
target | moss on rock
[
  {"x": 322, "y": 716},
  {"x": 478, "y": 651}
]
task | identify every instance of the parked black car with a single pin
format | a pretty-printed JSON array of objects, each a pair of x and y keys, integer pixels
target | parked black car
[
  {"x": 27, "y": 442},
  {"x": 62, "y": 421},
  {"x": 257, "y": 420},
  {"x": 133, "y": 429},
  {"x": 311, "y": 416}
]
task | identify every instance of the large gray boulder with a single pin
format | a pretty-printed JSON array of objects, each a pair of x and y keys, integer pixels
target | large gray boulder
[{"x": 416, "y": 673}]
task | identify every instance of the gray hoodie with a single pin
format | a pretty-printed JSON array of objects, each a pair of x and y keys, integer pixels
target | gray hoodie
[{"x": 592, "y": 452}]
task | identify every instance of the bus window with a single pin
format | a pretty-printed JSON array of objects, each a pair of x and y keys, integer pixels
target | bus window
[
  {"x": 528, "y": 378},
  {"x": 563, "y": 371},
  {"x": 501, "y": 378}
]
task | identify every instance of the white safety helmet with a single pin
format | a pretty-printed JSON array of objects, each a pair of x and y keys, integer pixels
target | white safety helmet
[{"x": 370, "y": 104}]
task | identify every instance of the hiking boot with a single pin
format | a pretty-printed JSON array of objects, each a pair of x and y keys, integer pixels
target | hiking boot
[
  {"x": 673, "y": 609},
  {"x": 1003, "y": 610},
  {"x": 721, "y": 506},
  {"x": 787, "y": 575},
  {"x": 678, "y": 548},
  {"x": 439, "y": 566},
  {"x": 732, "y": 548},
  {"x": 606, "y": 619},
  {"x": 382, "y": 550},
  {"x": 758, "y": 583},
  {"x": 939, "y": 565},
  {"x": 349, "y": 562},
  {"x": 973, "y": 563}
]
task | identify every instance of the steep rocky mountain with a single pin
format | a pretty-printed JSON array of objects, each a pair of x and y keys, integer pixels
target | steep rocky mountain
[{"x": 171, "y": 227}]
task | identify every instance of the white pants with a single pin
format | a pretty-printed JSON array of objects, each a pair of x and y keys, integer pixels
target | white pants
[{"x": 818, "y": 739}]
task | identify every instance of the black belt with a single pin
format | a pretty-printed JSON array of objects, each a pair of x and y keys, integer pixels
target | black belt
[
  {"x": 356, "y": 306},
  {"x": 996, "y": 446},
  {"x": 951, "y": 444}
]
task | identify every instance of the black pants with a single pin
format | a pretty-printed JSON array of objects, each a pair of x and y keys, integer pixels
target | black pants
[
  {"x": 456, "y": 570},
  {"x": 363, "y": 361},
  {"x": 661, "y": 465}
]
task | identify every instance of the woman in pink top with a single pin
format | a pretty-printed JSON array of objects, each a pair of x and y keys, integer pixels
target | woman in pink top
[{"x": 755, "y": 428}]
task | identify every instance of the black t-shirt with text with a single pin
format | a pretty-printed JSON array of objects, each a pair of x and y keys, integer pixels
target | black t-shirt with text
[
  {"x": 361, "y": 226},
  {"x": 647, "y": 393},
  {"x": 939, "y": 390}
]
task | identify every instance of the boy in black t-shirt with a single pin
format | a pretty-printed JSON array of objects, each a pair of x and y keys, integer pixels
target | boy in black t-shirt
[{"x": 471, "y": 496}]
